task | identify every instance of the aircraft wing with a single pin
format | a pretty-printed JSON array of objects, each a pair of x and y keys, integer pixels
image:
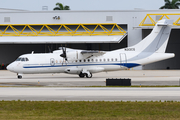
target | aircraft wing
[{"x": 91, "y": 53}]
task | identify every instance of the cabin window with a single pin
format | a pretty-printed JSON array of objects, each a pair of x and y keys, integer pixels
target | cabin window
[
  {"x": 92, "y": 60},
  {"x": 104, "y": 59},
  {"x": 108, "y": 59},
  {"x": 112, "y": 59},
  {"x": 79, "y": 60},
  {"x": 88, "y": 60},
  {"x": 100, "y": 60},
  {"x": 96, "y": 60},
  {"x": 76, "y": 60},
  {"x": 84, "y": 60},
  {"x": 116, "y": 59}
]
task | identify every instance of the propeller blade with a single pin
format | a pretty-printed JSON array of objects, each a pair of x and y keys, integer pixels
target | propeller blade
[{"x": 64, "y": 55}]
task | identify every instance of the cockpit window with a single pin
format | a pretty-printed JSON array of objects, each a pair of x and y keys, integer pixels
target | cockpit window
[
  {"x": 22, "y": 59},
  {"x": 18, "y": 59},
  {"x": 27, "y": 59}
]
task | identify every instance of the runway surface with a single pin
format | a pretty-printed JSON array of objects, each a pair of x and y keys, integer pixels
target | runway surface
[
  {"x": 138, "y": 77},
  {"x": 90, "y": 94}
]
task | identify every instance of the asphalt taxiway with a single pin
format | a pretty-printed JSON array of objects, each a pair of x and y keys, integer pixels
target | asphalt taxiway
[
  {"x": 138, "y": 77},
  {"x": 58, "y": 87}
]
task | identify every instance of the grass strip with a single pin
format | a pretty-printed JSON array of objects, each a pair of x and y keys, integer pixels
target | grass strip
[{"x": 86, "y": 110}]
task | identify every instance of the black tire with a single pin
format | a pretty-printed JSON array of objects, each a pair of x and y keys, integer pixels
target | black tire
[
  {"x": 81, "y": 75},
  {"x": 19, "y": 76},
  {"x": 89, "y": 76}
]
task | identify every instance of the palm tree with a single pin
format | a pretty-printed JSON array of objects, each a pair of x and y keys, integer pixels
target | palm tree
[
  {"x": 174, "y": 4},
  {"x": 61, "y": 7}
]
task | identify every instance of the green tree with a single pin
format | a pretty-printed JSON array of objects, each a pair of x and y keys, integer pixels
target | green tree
[
  {"x": 174, "y": 4},
  {"x": 61, "y": 7}
]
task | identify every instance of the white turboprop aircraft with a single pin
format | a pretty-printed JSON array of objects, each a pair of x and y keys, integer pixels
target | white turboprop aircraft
[{"x": 84, "y": 62}]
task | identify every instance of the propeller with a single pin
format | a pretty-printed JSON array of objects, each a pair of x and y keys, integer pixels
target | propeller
[{"x": 64, "y": 55}]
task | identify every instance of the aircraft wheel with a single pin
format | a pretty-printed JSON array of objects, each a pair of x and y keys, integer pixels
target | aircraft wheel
[
  {"x": 81, "y": 75},
  {"x": 19, "y": 76},
  {"x": 89, "y": 76}
]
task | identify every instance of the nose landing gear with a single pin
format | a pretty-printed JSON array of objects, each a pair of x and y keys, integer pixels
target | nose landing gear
[{"x": 19, "y": 76}]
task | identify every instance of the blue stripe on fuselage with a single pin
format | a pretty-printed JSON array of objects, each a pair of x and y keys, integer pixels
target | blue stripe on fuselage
[{"x": 128, "y": 65}]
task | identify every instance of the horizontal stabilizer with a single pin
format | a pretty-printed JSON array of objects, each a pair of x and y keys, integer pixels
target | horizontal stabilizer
[{"x": 164, "y": 22}]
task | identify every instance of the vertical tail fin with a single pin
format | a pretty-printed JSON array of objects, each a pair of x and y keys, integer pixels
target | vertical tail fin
[{"x": 157, "y": 40}]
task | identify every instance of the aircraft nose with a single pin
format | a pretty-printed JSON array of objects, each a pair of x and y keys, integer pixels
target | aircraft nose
[{"x": 9, "y": 67}]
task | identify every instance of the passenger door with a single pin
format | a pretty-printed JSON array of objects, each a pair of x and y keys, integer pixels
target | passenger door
[{"x": 123, "y": 60}]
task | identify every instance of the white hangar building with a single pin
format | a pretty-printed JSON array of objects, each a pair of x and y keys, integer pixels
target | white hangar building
[{"x": 42, "y": 31}]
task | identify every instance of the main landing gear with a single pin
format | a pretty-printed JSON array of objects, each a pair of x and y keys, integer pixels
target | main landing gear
[{"x": 88, "y": 75}]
